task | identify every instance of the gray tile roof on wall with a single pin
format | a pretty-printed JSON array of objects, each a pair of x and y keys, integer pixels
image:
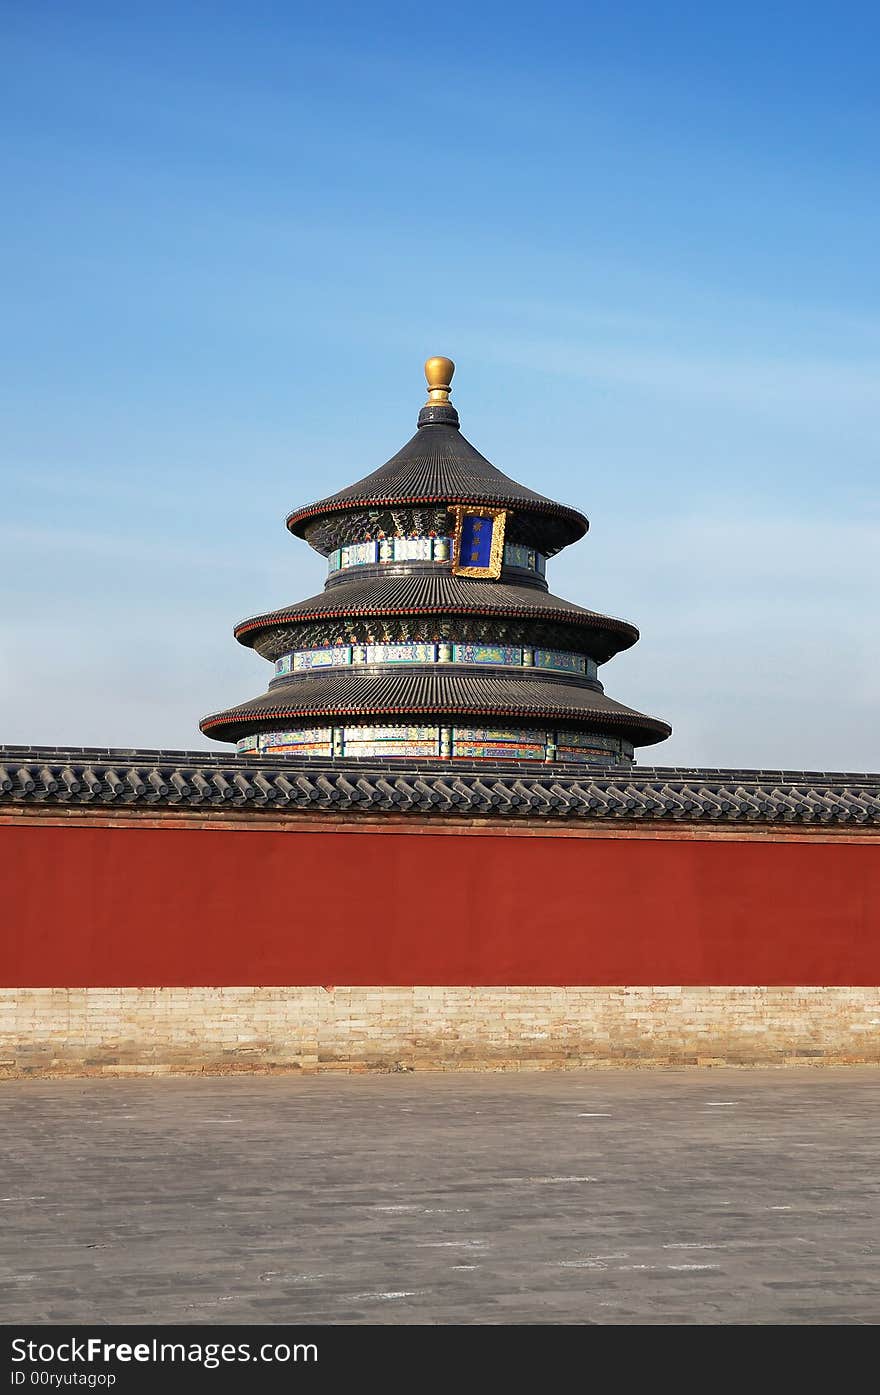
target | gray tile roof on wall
[{"x": 55, "y": 777}]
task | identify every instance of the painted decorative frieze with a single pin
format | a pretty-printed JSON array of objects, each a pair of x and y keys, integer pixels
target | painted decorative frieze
[
  {"x": 413, "y": 549},
  {"x": 524, "y": 736},
  {"x": 401, "y": 653},
  {"x": 586, "y": 746},
  {"x": 499, "y": 655},
  {"x": 335, "y": 656},
  {"x": 391, "y": 733},
  {"x": 560, "y": 662},
  {"x": 359, "y": 554},
  {"x": 432, "y": 549},
  {"x": 487, "y": 654},
  {"x": 314, "y": 741},
  {"x": 583, "y": 738},
  {"x": 436, "y": 742},
  {"x": 391, "y": 748},
  {"x": 501, "y": 750},
  {"x": 518, "y": 555}
]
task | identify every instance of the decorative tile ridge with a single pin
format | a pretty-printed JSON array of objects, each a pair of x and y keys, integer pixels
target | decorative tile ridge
[{"x": 53, "y": 776}]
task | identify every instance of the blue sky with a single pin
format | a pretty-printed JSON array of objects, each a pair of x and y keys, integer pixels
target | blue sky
[{"x": 646, "y": 232}]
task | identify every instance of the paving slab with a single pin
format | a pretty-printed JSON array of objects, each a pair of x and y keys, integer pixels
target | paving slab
[{"x": 604, "y": 1197}]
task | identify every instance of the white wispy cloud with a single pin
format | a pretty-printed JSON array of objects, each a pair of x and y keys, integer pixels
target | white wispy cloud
[{"x": 784, "y": 383}]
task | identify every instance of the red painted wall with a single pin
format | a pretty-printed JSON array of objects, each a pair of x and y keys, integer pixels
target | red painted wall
[{"x": 103, "y": 907}]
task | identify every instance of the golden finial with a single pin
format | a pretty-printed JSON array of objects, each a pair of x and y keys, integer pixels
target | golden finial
[{"x": 438, "y": 372}]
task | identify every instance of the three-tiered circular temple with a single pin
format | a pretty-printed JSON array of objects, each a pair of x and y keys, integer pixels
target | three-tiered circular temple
[{"x": 436, "y": 637}]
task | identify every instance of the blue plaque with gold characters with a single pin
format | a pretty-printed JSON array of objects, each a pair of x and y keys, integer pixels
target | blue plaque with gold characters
[{"x": 478, "y": 541}]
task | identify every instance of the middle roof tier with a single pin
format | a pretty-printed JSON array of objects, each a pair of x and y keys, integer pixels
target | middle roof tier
[{"x": 435, "y": 605}]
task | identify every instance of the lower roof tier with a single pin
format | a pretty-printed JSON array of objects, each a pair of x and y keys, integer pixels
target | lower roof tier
[
  {"x": 341, "y": 694},
  {"x": 360, "y": 601}
]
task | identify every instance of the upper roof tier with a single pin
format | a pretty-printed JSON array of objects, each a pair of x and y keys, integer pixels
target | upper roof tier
[{"x": 439, "y": 466}]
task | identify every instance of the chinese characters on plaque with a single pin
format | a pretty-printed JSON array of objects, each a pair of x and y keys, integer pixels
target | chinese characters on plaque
[{"x": 478, "y": 541}]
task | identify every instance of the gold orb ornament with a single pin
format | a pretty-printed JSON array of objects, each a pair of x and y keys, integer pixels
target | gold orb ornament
[{"x": 438, "y": 372}]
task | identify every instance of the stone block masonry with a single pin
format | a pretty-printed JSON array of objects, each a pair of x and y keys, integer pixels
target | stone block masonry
[{"x": 131, "y": 1031}]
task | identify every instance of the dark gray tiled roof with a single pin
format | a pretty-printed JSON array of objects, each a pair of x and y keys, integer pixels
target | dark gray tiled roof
[
  {"x": 53, "y": 776},
  {"x": 437, "y": 691},
  {"x": 439, "y": 464},
  {"x": 444, "y": 594}
]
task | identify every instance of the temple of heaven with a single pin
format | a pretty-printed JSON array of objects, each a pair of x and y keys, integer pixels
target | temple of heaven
[
  {"x": 451, "y": 860},
  {"x": 436, "y": 636}
]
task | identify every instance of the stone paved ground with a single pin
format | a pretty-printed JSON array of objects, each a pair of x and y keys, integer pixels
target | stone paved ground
[{"x": 601, "y": 1197}]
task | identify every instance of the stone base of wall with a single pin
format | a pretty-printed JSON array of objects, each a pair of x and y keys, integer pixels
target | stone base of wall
[{"x": 118, "y": 1031}]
